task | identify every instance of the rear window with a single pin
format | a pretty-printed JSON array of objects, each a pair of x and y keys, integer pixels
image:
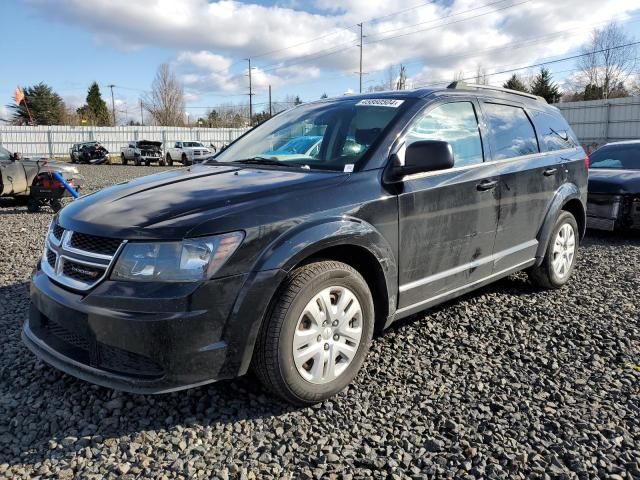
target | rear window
[
  {"x": 554, "y": 133},
  {"x": 511, "y": 133}
]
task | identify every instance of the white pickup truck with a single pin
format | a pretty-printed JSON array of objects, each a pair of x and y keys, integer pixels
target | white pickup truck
[
  {"x": 142, "y": 151},
  {"x": 188, "y": 153}
]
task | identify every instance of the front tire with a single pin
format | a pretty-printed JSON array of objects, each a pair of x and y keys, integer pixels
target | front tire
[
  {"x": 123, "y": 159},
  {"x": 560, "y": 255},
  {"x": 318, "y": 333},
  {"x": 185, "y": 160},
  {"x": 169, "y": 160}
]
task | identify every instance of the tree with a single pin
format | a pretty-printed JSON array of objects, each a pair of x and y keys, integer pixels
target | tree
[
  {"x": 297, "y": 100},
  {"x": 515, "y": 83},
  {"x": 45, "y": 105},
  {"x": 608, "y": 60},
  {"x": 481, "y": 76},
  {"x": 402, "y": 79},
  {"x": 166, "y": 103},
  {"x": 95, "y": 111},
  {"x": 544, "y": 87},
  {"x": 260, "y": 117},
  {"x": 213, "y": 119},
  {"x": 323, "y": 96}
]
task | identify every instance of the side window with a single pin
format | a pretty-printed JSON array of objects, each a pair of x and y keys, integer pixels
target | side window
[
  {"x": 178, "y": 144},
  {"x": 455, "y": 123},
  {"x": 554, "y": 132},
  {"x": 511, "y": 133}
]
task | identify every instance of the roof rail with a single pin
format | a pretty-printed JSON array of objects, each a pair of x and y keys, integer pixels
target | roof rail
[{"x": 462, "y": 85}]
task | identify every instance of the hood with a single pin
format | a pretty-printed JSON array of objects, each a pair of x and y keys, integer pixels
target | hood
[
  {"x": 149, "y": 143},
  {"x": 45, "y": 165},
  {"x": 168, "y": 205},
  {"x": 614, "y": 181}
]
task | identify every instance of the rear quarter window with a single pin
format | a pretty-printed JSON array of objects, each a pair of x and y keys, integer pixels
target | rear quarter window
[
  {"x": 554, "y": 133},
  {"x": 511, "y": 133}
]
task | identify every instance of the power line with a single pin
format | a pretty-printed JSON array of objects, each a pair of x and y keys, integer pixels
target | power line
[{"x": 539, "y": 64}]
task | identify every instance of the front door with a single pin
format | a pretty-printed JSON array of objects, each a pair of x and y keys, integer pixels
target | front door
[{"x": 447, "y": 218}]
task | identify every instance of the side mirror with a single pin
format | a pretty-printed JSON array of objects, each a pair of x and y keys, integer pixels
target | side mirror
[{"x": 425, "y": 156}]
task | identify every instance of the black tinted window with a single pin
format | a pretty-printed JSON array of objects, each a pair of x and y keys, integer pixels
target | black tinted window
[
  {"x": 510, "y": 131},
  {"x": 619, "y": 157},
  {"x": 455, "y": 123},
  {"x": 554, "y": 132}
]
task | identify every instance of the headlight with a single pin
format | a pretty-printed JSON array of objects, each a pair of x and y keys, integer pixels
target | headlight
[{"x": 190, "y": 260}]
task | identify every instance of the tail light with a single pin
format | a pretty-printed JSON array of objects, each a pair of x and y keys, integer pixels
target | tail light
[{"x": 587, "y": 162}]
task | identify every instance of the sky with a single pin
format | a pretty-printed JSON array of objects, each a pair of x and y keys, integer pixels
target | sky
[{"x": 304, "y": 48}]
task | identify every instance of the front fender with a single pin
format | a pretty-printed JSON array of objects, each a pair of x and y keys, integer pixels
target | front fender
[
  {"x": 308, "y": 239},
  {"x": 283, "y": 255},
  {"x": 564, "y": 194}
]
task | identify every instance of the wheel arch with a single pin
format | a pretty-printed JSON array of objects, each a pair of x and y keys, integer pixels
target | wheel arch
[
  {"x": 567, "y": 198},
  {"x": 351, "y": 241}
]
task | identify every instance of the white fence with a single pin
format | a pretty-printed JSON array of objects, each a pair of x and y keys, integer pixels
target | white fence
[
  {"x": 55, "y": 141},
  {"x": 601, "y": 121}
]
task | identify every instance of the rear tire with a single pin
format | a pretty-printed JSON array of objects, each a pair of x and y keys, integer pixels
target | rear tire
[
  {"x": 560, "y": 255},
  {"x": 56, "y": 205},
  {"x": 33, "y": 205},
  {"x": 309, "y": 347}
]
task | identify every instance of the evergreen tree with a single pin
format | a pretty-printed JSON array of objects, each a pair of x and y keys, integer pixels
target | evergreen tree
[
  {"x": 544, "y": 87},
  {"x": 95, "y": 111},
  {"x": 297, "y": 100},
  {"x": 45, "y": 105},
  {"x": 323, "y": 96},
  {"x": 514, "y": 83}
]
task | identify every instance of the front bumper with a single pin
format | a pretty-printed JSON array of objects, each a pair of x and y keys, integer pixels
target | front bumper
[
  {"x": 613, "y": 212},
  {"x": 140, "y": 338}
]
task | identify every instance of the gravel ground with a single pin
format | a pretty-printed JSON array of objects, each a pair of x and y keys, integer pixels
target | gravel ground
[{"x": 507, "y": 382}]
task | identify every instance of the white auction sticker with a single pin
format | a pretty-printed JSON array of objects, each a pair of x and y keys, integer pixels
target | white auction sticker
[
  {"x": 348, "y": 168},
  {"x": 381, "y": 102}
]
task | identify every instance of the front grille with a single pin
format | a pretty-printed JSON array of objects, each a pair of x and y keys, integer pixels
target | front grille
[
  {"x": 58, "y": 231},
  {"x": 51, "y": 258},
  {"x": 81, "y": 272},
  {"x": 93, "y": 244},
  {"x": 123, "y": 361},
  {"x": 66, "y": 336}
]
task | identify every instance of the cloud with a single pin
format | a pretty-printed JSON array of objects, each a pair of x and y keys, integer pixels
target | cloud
[{"x": 290, "y": 45}]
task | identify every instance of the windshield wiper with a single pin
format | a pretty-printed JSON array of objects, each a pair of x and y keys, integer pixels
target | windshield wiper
[{"x": 259, "y": 161}]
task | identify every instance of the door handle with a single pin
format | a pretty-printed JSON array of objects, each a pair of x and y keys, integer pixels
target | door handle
[
  {"x": 549, "y": 171},
  {"x": 487, "y": 185}
]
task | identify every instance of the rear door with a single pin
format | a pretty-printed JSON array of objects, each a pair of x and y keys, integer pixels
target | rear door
[
  {"x": 447, "y": 218},
  {"x": 528, "y": 181}
]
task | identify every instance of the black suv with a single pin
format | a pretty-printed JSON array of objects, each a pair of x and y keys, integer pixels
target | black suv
[{"x": 286, "y": 260}]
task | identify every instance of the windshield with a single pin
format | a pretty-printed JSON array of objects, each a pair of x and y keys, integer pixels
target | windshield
[
  {"x": 325, "y": 135},
  {"x": 192, "y": 144},
  {"x": 618, "y": 157},
  {"x": 4, "y": 154}
]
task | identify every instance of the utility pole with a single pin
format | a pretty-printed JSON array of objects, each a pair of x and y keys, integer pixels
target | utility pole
[
  {"x": 270, "y": 111},
  {"x": 250, "y": 95},
  {"x": 113, "y": 105},
  {"x": 141, "y": 115},
  {"x": 360, "y": 45}
]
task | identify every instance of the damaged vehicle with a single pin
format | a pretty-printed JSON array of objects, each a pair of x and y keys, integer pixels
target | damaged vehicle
[
  {"x": 286, "y": 265},
  {"x": 93, "y": 153},
  {"x": 30, "y": 181},
  {"x": 142, "y": 151},
  {"x": 614, "y": 187}
]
